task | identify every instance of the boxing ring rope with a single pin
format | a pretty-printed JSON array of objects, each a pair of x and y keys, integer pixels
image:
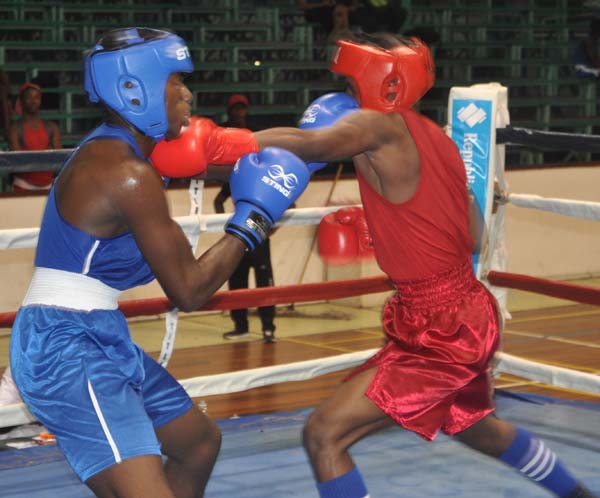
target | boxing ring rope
[
  {"x": 553, "y": 140},
  {"x": 52, "y": 160},
  {"x": 577, "y": 209},
  {"x": 23, "y": 238},
  {"x": 254, "y": 298},
  {"x": 562, "y": 290}
]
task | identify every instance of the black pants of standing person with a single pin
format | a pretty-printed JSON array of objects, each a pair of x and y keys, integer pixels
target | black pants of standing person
[{"x": 260, "y": 260}]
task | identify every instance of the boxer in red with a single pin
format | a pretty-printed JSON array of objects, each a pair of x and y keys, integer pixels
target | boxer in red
[{"x": 442, "y": 326}]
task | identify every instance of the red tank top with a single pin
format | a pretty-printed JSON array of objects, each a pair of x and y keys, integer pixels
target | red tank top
[
  {"x": 429, "y": 233},
  {"x": 35, "y": 139}
]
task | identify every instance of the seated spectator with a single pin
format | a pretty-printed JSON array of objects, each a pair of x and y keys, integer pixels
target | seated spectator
[
  {"x": 585, "y": 57},
  {"x": 31, "y": 132}
]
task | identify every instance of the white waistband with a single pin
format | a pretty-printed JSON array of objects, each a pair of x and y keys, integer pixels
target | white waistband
[{"x": 65, "y": 289}]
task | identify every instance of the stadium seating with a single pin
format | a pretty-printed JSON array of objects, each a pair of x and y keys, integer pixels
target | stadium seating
[{"x": 266, "y": 50}]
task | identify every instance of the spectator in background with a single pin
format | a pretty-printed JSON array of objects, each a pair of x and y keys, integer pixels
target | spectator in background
[
  {"x": 31, "y": 132},
  {"x": 341, "y": 27},
  {"x": 318, "y": 11},
  {"x": 237, "y": 111},
  {"x": 259, "y": 259},
  {"x": 585, "y": 57},
  {"x": 377, "y": 15}
]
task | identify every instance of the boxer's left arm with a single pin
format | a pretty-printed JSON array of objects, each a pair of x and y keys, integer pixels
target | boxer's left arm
[{"x": 359, "y": 132}]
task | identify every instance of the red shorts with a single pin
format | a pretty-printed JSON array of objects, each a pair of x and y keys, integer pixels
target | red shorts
[{"x": 434, "y": 372}]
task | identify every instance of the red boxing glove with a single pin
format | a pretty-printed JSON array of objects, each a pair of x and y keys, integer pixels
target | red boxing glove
[
  {"x": 344, "y": 238},
  {"x": 200, "y": 144},
  {"x": 227, "y": 145},
  {"x": 185, "y": 155},
  {"x": 355, "y": 217}
]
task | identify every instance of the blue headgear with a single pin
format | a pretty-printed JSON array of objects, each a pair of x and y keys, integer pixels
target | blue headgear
[{"x": 131, "y": 80}]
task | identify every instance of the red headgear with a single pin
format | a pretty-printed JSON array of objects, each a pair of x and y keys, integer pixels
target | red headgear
[{"x": 374, "y": 70}]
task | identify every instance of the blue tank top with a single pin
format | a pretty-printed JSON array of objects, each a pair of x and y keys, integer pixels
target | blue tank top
[{"x": 117, "y": 261}]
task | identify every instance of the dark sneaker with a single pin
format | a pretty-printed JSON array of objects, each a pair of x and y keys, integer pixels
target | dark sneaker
[
  {"x": 268, "y": 336},
  {"x": 235, "y": 334}
]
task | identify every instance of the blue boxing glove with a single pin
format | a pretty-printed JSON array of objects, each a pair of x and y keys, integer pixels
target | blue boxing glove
[
  {"x": 263, "y": 185},
  {"x": 324, "y": 112}
]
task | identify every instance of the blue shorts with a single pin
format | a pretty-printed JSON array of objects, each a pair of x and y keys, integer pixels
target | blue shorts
[{"x": 100, "y": 394}]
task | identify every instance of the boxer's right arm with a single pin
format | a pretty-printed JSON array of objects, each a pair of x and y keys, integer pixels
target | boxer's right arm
[
  {"x": 264, "y": 191},
  {"x": 187, "y": 282}
]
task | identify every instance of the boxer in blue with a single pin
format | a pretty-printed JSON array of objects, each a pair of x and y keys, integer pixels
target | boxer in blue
[{"x": 107, "y": 228}]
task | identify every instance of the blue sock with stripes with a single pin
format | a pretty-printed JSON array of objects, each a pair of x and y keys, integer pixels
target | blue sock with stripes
[
  {"x": 350, "y": 485},
  {"x": 534, "y": 459}
]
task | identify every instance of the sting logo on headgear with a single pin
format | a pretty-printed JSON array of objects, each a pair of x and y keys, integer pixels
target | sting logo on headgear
[
  {"x": 182, "y": 53},
  {"x": 131, "y": 79},
  {"x": 387, "y": 80}
]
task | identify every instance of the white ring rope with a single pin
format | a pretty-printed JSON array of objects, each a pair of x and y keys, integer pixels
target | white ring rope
[
  {"x": 193, "y": 225},
  {"x": 243, "y": 380},
  {"x": 578, "y": 209},
  {"x": 303, "y": 370},
  {"x": 233, "y": 382},
  {"x": 22, "y": 238},
  {"x": 548, "y": 374}
]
